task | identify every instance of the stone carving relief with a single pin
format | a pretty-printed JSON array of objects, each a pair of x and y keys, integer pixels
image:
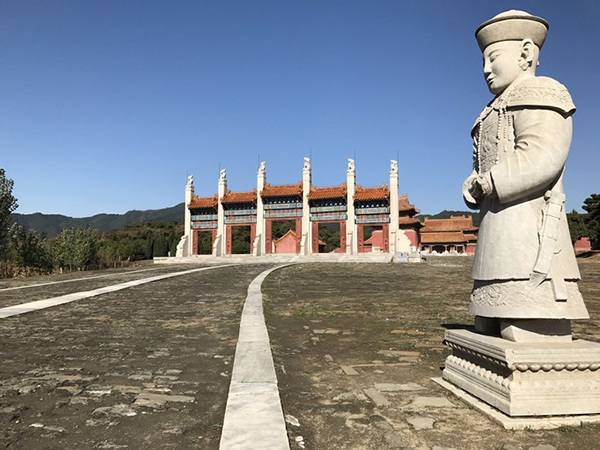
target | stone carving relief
[{"x": 306, "y": 164}]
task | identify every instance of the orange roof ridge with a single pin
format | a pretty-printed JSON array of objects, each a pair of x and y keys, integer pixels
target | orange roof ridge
[
  {"x": 445, "y": 237},
  {"x": 404, "y": 205},
  {"x": 372, "y": 193},
  {"x": 282, "y": 190},
  {"x": 464, "y": 223},
  {"x": 317, "y": 193},
  {"x": 203, "y": 202},
  {"x": 239, "y": 197}
]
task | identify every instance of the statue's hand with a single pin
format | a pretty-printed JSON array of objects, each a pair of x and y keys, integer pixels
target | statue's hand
[
  {"x": 475, "y": 189},
  {"x": 467, "y": 187}
]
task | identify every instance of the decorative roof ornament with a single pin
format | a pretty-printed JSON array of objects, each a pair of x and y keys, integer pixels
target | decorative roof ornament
[
  {"x": 306, "y": 164},
  {"x": 351, "y": 166},
  {"x": 393, "y": 166},
  {"x": 223, "y": 176}
]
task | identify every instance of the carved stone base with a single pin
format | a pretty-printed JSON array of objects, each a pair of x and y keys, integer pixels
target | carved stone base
[{"x": 526, "y": 379}]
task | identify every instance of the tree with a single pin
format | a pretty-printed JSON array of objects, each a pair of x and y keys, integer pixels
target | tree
[
  {"x": 592, "y": 206},
  {"x": 29, "y": 250},
  {"x": 577, "y": 225},
  {"x": 240, "y": 237},
  {"x": 8, "y": 204},
  {"x": 161, "y": 247},
  {"x": 204, "y": 244},
  {"x": 76, "y": 248}
]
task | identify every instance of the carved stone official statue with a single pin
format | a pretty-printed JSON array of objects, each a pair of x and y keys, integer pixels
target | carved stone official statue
[
  {"x": 521, "y": 358},
  {"x": 524, "y": 265}
]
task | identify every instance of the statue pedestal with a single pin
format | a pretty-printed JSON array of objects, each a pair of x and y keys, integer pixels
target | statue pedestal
[{"x": 526, "y": 379}]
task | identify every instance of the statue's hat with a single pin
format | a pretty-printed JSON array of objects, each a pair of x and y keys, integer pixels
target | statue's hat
[{"x": 512, "y": 25}]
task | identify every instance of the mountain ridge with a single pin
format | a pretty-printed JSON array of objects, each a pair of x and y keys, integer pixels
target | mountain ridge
[{"x": 53, "y": 224}]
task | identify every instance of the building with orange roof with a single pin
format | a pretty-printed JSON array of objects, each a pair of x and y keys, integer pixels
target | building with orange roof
[
  {"x": 357, "y": 215},
  {"x": 204, "y": 219},
  {"x": 282, "y": 202},
  {"x": 454, "y": 235}
]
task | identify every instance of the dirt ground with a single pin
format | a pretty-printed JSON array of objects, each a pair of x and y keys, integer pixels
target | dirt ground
[
  {"x": 340, "y": 330},
  {"x": 94, "y": 374},
  {"x": 150, "y": 366}
]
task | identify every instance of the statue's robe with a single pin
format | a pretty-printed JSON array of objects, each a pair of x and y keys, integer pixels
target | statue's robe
[{"x": 521, "y": 142}]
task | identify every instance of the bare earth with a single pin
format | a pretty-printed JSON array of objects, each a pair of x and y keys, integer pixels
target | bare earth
[
  {"x": 146, "y": 367},
  {"x": 355, "y": 347},
  {"x": 346, "y": 337}
]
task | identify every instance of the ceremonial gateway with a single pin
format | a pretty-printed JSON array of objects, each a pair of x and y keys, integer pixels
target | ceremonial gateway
[{"x": 354, "y": 210}]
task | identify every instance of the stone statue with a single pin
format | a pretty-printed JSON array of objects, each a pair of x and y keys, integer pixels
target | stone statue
[
  {"x": 521, "y": 358},
  {"x": 262, "y": 168},
  {"x": 394, "y": 166},
  {"x": 306, "y": 164},
  {"x": 190, "y": 180},
  {"x": 222, "y": 176},
  {"x": 524, "y": 265},
  {"x": 351, "y": 167}
]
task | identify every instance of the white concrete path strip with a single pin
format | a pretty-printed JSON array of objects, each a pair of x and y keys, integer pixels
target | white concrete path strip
[
  {"x": 55, "y": 301},
  {"x": 25, "y": 286},
  {"x": 253, "y": 416}
]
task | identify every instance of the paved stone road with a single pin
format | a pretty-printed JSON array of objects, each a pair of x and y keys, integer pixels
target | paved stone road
[
  {"x": 143, "y": 367},
  {"x": 37, "y": 289}
]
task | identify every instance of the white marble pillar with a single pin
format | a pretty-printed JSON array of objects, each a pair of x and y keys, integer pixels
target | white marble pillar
[
  {"x": 351, "y": 243},
  {"x": 258, "y": 246},
  {"x": 219, "y": 248},
  {"x": 185, "y": 244},
  {"x": 189, "y": 193},
  {"x": 306, "y": 243},
  {"x": 394, "y": 213}
]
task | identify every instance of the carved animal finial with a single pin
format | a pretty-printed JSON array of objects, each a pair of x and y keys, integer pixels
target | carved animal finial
[
  {"x": 351, "y": 166},
  {"x": 306, "y": 163},
  {"x": 394, "y": 166},
  {"x": 262, "y": 168},
  {"x": 223, "y": 175},
  {"x": 190, "y": 180}
]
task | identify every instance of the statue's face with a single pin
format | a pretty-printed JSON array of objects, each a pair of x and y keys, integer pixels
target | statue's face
[{"x": 501, "y": 65}]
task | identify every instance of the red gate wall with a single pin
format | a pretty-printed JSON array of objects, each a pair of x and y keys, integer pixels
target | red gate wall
[
  {"x": 269, "y": 232},
  {"x": 228, "y": 235},
  {"x": 385, "y": 227},
  {"x": 315, "y": 234},
  {"x": 196, "y": 235}
]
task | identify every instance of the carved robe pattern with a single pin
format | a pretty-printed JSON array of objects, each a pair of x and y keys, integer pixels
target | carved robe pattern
[{"x": 521, "y": 143}]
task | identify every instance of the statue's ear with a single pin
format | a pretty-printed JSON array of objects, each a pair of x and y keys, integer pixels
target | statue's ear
[{"x": 527, "y": 50}]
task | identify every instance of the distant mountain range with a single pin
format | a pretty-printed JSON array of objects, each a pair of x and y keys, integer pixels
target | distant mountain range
[{"x": 53, "y": 224}]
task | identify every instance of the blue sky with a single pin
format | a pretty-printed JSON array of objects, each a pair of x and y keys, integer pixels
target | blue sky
[{"x": 106, "y": 106}]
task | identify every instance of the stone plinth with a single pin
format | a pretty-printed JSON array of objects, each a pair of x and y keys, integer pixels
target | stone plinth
[{"x": 526, "y": 379}]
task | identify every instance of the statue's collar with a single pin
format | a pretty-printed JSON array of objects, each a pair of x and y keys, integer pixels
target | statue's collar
[{"x": 501, "y": 100}]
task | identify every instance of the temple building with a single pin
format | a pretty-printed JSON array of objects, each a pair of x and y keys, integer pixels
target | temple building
[
  {"x": 454, "y": 235},
  {"x": 300, "y": 218}
]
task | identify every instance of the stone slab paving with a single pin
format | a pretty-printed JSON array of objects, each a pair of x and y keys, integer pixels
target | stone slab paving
[
  {"x": 27, "y": 286},
  {"x": 254, "y": 417},
  {"x": 55, "y": 301},
  {"x": 146, "y": 367},
  {"x": 388, "y": 315},
  {"x": 40, "y": 288}
]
